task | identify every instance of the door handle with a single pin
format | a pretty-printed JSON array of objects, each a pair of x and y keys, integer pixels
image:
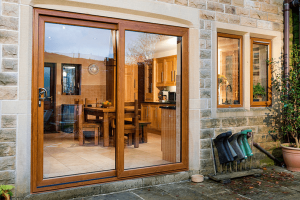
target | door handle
[{"x": 42, "y": 91}]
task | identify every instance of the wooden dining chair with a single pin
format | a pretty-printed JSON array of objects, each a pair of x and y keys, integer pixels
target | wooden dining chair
[
  {"x": 81, "y": 125},
  {"x": 131, "y": 127},
  {"x": 93, "y": 103}
]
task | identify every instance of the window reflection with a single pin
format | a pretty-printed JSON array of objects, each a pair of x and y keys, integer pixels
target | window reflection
[
  {"x": 260, "y": 72},
  {"x": 228, "y": 71}
]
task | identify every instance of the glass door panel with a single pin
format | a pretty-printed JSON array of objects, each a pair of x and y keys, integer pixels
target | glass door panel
[
  {"x": 79, "y": 77},
  {"x": 152, "y": 130}
]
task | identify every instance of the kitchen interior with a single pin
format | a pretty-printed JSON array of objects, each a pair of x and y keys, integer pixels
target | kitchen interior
[{"x": 79, "y": 111}]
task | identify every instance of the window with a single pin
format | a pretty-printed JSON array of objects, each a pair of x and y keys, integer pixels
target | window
[
  {"x": 229, "y": 71},
  {"x": 70, "y": 79},
  {"x": 261, "y": 94}
]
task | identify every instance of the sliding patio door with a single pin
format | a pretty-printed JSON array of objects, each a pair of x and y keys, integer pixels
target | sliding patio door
[{"x": 92, "y": 119}]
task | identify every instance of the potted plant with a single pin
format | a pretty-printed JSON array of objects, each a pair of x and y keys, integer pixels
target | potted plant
[
  {"x": 222, "y": 80},
  {"x": 288, "y": 119},
  {"x": 5, "y": 192},
  {"x": 258, "y": 92}
]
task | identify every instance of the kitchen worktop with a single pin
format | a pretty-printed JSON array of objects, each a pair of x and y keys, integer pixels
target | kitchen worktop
[
  {"x": 157, "y": 102},
  {"x": 168, "y": 107}
]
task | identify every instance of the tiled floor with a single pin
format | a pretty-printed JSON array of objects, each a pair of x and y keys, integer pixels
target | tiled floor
[{"x": 63, "y": 155}]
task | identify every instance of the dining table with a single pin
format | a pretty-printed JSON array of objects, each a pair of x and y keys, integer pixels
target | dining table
[{"x": 106, "y": 113}]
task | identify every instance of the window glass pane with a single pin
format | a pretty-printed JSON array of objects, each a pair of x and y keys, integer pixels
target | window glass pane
[
  {"x": 228, "y": 71},
  {"x": 260, "y": 72},
  {"x": 79, "y": 76},
  {"x": 153, "y": 84}
]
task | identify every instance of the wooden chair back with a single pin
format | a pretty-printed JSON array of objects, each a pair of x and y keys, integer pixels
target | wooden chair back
[
  {"x": 134, "y": 126},
  {"x": 92, "y": 102},
  {"x": 132, "y": 111}
]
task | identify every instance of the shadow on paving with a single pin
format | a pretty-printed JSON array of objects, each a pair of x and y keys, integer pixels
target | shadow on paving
[{"x": 276, "y": 183}]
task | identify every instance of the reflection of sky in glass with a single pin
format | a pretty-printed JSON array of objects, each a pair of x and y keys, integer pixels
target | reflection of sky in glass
[
  {"x": 140, "y": 45},
  {"x": 71, "y": 40}
]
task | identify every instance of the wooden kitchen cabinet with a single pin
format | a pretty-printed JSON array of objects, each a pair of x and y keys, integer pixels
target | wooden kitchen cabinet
[
  {"x": 160, "y": 72},
  {"x": 152, "y": 113},
  {"x": 170, "y": 140},
  {"x": 131, "y": 86},
  {"x": 151, "y": 91},
  {"x": 144, "y": 113},
  {"x": 166, "y": 70}
]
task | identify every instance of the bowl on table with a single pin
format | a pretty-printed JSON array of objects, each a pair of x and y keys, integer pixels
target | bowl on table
[{"x": 106, "y": 104}]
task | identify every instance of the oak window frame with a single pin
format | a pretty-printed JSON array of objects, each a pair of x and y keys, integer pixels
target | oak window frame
[
  {"x": 240, "y": 69},
  {"x": 40, "y": 16},
  {"x": 268, "y": 43}
]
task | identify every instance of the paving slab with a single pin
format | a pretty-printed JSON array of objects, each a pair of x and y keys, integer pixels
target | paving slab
[
  {"x": 182, "y": 192},
  {"x": 153, "y": 193},
  {"x": 114, "y": 196},
  {"x": 206, "y": 188}
]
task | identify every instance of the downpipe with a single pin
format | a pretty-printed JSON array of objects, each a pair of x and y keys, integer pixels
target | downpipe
[{"x": 286, "y": 37}]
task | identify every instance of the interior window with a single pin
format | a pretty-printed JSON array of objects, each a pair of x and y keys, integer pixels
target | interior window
[{"x": 71, "y": 79}]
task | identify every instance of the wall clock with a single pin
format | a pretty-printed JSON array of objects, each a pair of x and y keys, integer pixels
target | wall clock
[{"x": 93, "y": 69}]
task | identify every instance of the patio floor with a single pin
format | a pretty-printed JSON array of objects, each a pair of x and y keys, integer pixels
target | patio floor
[{"x": 275, "y": 183}]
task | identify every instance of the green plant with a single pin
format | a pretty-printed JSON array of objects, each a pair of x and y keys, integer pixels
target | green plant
[
  {"x": 258, "y": 90},
  {"x": 288, "y": 88},
  {"x": 5, "y": 191}
]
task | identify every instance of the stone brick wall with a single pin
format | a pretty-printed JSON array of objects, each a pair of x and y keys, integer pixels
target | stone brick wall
[
  {"x": 9, "y": 40},
  {"x": 263, "y": 14}
]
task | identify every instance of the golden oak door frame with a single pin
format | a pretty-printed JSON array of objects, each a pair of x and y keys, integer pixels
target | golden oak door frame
[
  {"x": 38, "y": 184},
  {"x": 163, "y": 30}
]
